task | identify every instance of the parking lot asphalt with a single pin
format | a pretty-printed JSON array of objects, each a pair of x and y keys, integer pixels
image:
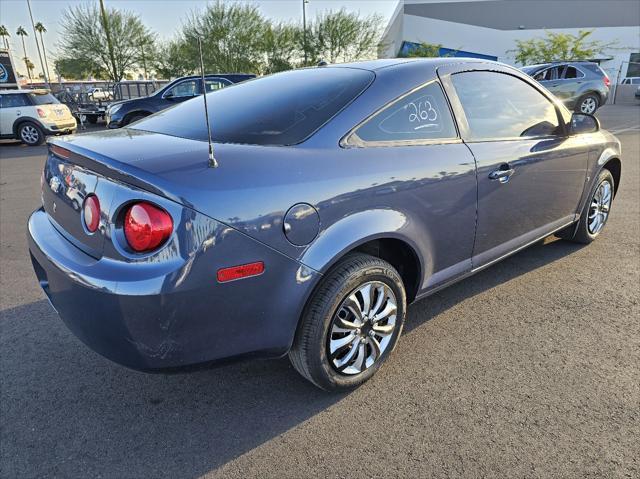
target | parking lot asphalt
[{"x": 529, "y": 369}]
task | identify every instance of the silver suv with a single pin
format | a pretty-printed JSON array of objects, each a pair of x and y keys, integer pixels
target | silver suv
[{"x": 582, "y": 86}]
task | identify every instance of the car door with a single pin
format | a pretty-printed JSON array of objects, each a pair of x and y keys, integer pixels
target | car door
[
  {"x": 183, "y": 91},
  {"x": 531, "y": 175},
  {"x": 13, "y": 107},
  {"x": 433, "y": 180},
  {"x": 551, "y": 79}
]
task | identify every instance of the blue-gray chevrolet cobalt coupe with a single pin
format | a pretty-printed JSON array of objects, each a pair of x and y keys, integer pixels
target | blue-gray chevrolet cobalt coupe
[{"x": 341, "y": 194}]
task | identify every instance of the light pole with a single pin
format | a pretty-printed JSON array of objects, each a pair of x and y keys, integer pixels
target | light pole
[
  {"x": 304, "y": 28},
  {"x": 35, "y": 34}
]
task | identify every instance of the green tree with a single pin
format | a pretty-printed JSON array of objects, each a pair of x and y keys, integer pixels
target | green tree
[
  {"x": 104, "y": 40},
  {"x": 232, "y": 38},
  {"x": 559, "y": 46},
  {"x": 342, "y": 36},
  {"x": 30, "y": 67},
  {"x": 74, "y": 69},
  {"x": 424, "y": 50},
  {"x": 281, "y": 47},
  {"x": 171, "y": 59},
  {"x": 21, "y": 32},
  {"x": 4, "y": 33},
  {"x": 40, "y": 28}
]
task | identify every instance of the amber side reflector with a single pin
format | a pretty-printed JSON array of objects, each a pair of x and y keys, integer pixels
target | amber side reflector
[
  {"x": 60, "y": 152},
  {"x": 242, "y": 271}
]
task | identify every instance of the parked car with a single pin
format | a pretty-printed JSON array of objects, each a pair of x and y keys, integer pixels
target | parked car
[
  {"x": 638, "y": 93},
  {"x": 341, "y": 194},
  {"x": 99, "y": 94},
  {"x": 631, "y": 81},
  {"x": 582, "y": 86},
  {"x": 29, "y": 115},
  {"x": 121, "y": 113}
]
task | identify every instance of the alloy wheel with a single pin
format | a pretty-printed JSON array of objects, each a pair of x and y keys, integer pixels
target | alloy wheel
[
  {"x": 29, "y": 134},
  {"x": 588, "y": 105},
  {"x": 362, "y": 328},
  {"x": 600, "y": 206}
]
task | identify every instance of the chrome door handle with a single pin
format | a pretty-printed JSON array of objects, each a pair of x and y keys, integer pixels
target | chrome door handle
[{"x": 502, "y": 175}]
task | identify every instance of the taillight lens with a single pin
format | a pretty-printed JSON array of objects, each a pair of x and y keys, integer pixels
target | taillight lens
[
  {"x": 146, "y": 227},
  {"x": 607, "y": 82},
  {"x": 41, "y": 113},
  {"x": 91, "y": 210}
]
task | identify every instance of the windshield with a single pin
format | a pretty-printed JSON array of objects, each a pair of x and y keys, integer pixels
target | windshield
[
  {"x": 43, "y": 99},
  {"x": 530, "y": 70},
  {"x": 282, "y": 109}
]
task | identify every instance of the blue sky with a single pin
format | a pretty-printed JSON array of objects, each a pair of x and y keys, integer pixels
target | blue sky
[{"x": 162, "y": 16}]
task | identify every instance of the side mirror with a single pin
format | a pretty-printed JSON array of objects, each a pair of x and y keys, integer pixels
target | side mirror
[
  {"x": 169, "y": 96},
  {"x": 583, "y": 123}
]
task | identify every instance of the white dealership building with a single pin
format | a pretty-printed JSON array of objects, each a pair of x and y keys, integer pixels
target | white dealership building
[{"x": 490, "y": 28}]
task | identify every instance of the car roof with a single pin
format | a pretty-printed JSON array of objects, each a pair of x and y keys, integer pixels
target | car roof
[
  {"x": 375, "y": 65},
  {"x": 37, "y": 91}
]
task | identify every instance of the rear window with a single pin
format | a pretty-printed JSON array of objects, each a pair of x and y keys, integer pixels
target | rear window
[
  {"x": 282, "y": 109},
  {"x": 40, "y": 99}
]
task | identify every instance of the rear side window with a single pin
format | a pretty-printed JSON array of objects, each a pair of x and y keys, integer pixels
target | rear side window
[
  {"x": 14, "y": 101},
  {"x": 421, "y": 115},
  {"x": 501, "y": 106},
  {"x": 572, "y": 72},
  {"x": 281, "y": 109},
  {"x": 46, "y": 99}
]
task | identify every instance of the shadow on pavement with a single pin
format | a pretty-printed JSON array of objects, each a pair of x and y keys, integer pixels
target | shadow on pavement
[{"x": 66, "y": 412}]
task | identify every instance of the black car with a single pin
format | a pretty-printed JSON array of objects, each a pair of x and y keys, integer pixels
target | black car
[
  {"x": 121, "y": 113},
  {"x": 582, "y": 86}
]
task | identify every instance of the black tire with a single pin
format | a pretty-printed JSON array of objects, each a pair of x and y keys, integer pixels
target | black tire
[
  {"x": 581, "y": 233},
  {"x": 31, "y": 134},
  {"x": 591, "y": 101},
  {"x": 92, "y": 119},
  {"x": 133, "y": 118},
  {"x": 310, "y": 351}
]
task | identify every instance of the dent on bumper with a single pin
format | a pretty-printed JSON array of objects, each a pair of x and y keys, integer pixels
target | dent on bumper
[{"x": 149, "y": 318}]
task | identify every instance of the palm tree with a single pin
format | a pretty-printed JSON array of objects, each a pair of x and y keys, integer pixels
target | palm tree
[
  {"x": 40, "y": 28},
  {"x": 30, "y": 66},
  {"x": 4, "y": 33},
  {"x": 21, "y": 32}
]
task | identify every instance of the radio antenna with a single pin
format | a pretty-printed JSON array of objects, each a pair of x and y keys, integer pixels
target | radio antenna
[{"x": 212, "y": 161}]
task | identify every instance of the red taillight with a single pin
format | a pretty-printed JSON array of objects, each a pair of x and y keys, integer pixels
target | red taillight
[
  {"x": 146, "y": 227},
  {"x": 607, "y": 82},
  {"x": 41, "y": 113},
  {"x": 242, "y": 271},
  {"x": 91, "y": 210}
]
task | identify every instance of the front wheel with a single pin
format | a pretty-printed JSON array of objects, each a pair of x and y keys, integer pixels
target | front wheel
[
  {"x": 351, "y": 323},
  {"x": 595, "y": 213}
]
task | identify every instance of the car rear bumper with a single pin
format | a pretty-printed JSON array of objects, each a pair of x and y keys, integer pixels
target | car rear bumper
[
  {"x": 61, "y": 128},
  {"x": 171, "y": 320}
]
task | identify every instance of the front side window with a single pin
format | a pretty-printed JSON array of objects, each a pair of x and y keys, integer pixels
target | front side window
[
  {"x": 549, "y": 74},
  {"x": 185, "y": 88},
  {"x": 499, "y": 106},
  {"x": 421, "y": 115}
]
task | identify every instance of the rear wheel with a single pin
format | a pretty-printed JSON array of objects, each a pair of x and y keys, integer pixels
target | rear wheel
[
  {"x": 351, "y": 324},
  {"x": 31, "y": 134},
  {"x": 595, "y": 213},
  {"x": 588, "y": 104}
]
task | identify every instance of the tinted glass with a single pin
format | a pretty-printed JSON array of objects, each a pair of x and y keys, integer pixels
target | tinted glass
[
  {"x": 572, "y": 72},
  {"x": 502, "y": 106},
  {"x": 282, "y": 109},
  {"x": 185, "y": 88},
  {"x": 47, "y": 99},
  {"x": 549, "y": 74},
  {"x": 422, "y": 115},
  {"x": 14, "y": 101}
]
